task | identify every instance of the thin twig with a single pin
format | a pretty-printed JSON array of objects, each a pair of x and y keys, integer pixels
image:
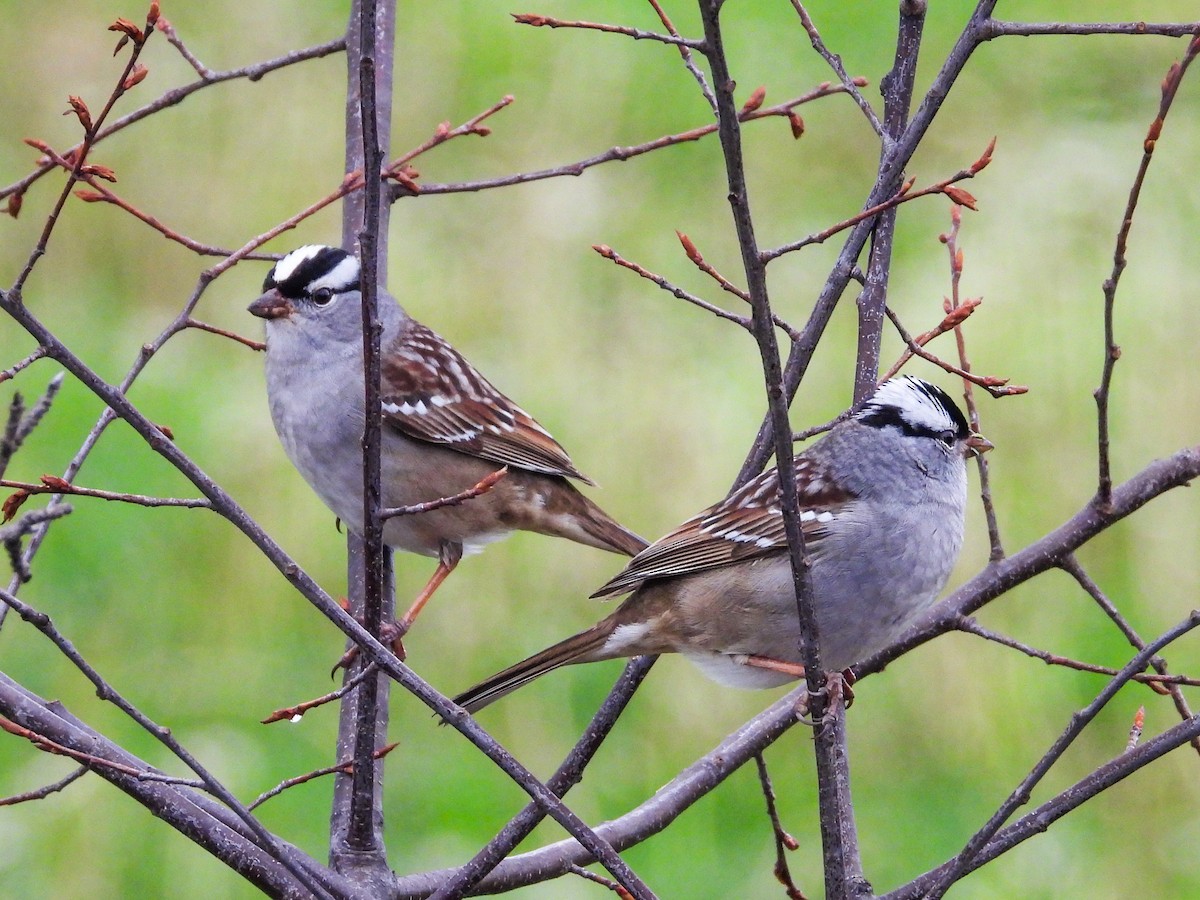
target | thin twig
[
  {"x": 1036, "y": 822},
  {"x": 569, "y": 773},
  {"x": 1071, "y": 566},
  {"x": 904, "y": 195},
  {"x": 45, "y": 791},
  {"x": 294, "y": 713},
  {"x": 600, "y": 880},
  {"x": 614, "y": 154},
  {"x": 176, "y": 96},
  {"x": 485, "y": 484},
  {"x": 397, "y": 168},
  {"x": 675, "y": 291},
  {"x": 1155, "y": 682},
  {"x": 962, "y": 312},
  {"x": 13, "y": 370},
  {"x": 344, "y": 767},
  {"x": 91, "y": 128},
  {"x": 1112, "y": 352},
  {"x": 952, "y": 306},
  {"x": 46, "y": 745},
  {"x": 52, "y": 484},
  {"x": 263, "y": 838},
  {"x": 835, "y": 63},
  {"x": 783, "y": 841},
  {"x": 232, "y": 335},
  {"x": 997, "y": 387},
  {"x": 637, "y": 34},
  {"x": 1079, "y": 721},
  {"x": 685, "y": 53}
]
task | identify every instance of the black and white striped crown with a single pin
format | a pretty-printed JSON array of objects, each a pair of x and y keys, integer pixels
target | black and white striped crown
[
  {"x": 312, "y": 268},
  {"x": 916, "y": 407}
]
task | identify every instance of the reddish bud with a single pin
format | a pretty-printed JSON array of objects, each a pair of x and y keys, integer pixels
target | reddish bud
[
  {"x": 981, "y": 163},
  {"x": 405, "y": 176},
  {"x": 139, "y": 72},
  {"x": 859, "y": 81},
  {"x": 958, "y": 260},
  {"x": 604, "y": 250},
  {"x": 40, "y": 145},
  {"x": 797, "y": 124},
  {"x": 529, "y": 19},
  {"x": 53, "y": 481},
  {"x": 90, "y": 196},
  {"x": 442, "y": 130},
  {"x": 81, "y": 111},
  {"x": 166, "y": 430},
  {"x": 959, "y": 196},
  {"x": 481, "y": 130},
  {"x": 162, "y": 24},
  {"x": 14, "y": 204},
  {"x": 121, "y": 43},
  {"x": 1172, "y": 79},
  {"x": 128, "y": 29},
  {"x": 152, "y": 16},
  {"x": 689, "y": 248},
  {"x": 96, "y": 171},
  {"x": 756, "y": 100},
  {"x": 12, "y": 504}
]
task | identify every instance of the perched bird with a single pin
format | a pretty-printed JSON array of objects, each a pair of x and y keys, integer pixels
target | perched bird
[
  {"x": 881, "y": 498},
  {"x": 445, "y": 427}
]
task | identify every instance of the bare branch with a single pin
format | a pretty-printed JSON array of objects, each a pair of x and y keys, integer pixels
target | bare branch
[
  {"x": 685, "y": 53},
  {"x": 997, "y": 387},
  {"x": 608, "y": 253},
  {"x": 614, "y": 154},
  {"x": 835, "y": 63},
  {"x": 43, "y": 792},
  {"x": 636, "y": 33},
  {"x": 783, "y": 841},
  {"x": 1154, "y": 682},
  {"x": 485, "y": 484},
  {"x": 1079, "y": 721},
  {"x": 344, "y": 767},
  {"x": 178, "y": 95},
  {"x": 52, "y": 484},
  {"x": 13, "y": 370},
  {"x": 1112, "y": 352}
]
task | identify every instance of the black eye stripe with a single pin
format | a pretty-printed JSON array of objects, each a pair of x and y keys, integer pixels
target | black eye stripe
[{"x": 879, "y": 415}]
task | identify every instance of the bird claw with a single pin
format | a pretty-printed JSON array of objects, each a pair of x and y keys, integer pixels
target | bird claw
[
  {"x": 391, "y": 634},
  {"x": 837, "y": 684}
]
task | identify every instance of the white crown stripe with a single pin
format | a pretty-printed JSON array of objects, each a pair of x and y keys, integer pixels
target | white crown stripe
[{"x": 286, "y": 267}]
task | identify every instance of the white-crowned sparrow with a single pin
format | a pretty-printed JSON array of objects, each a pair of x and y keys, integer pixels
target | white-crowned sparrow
[
  {"x": 882, "y": 499},
  {"x": 445, "y": 427}
]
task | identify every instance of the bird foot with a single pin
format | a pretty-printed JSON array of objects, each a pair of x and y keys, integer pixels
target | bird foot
[
  {"x": 391, "y": 635},
  {"x": 837, "y": 685}
]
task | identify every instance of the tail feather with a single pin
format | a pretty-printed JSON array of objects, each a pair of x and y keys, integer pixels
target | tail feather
[
  {"x": 579, "y": 648},
  {"x": 611, "y": 532}
]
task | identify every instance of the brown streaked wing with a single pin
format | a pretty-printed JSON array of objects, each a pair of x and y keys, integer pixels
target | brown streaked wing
[
  {"x": 430, "y": 392},
  {"x": 746, "y": 524}
]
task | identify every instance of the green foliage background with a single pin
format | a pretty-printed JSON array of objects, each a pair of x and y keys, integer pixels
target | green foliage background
[{"x": 656, "y": 400}]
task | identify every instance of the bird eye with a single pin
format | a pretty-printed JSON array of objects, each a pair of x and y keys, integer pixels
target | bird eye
[
  {"x": 947, "y": 437},
  {"x": 322, "y": 296}
]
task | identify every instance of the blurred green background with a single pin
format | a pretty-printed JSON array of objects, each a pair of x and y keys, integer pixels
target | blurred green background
[{"x": 655, "y": 400}]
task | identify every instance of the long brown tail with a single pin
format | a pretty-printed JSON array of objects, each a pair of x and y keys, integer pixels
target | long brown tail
[{"x": 576, "y": 649}]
